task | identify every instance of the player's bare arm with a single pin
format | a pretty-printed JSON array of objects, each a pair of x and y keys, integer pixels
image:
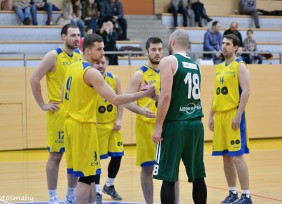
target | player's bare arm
[
  {"x": 167, "y": 68},
  {"x": 244, "y": 81},
  {"x": 46, "y": 65},
  {"x": 120, "y": 109},
  {"x": 93, "y": 78},
  {"x": 211, "y": 120}
]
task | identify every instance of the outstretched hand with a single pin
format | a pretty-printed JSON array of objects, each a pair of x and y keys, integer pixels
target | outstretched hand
[{"x": 145, "y": 86}]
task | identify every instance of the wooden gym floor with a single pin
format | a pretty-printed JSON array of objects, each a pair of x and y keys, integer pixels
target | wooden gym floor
[{"x": 22, "y": 176}]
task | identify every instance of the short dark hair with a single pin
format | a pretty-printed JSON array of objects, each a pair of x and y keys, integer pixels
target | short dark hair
[
  {"x": 234, "y": 38},
  {"x": 90, "y": 39},
  {"x": 250, "y": 30},
  {"x": 153, "y": 40},
  {"x": 66, "y": 27},
  {"x": 214, "y": 23}
]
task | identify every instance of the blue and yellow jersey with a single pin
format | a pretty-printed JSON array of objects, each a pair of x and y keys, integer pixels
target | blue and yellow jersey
[
  {"x": 227, "y": 90},
  {"x": 151, "y": 76},
  {"x": 106, "y": 111},
  {"x": 80, "y": 100},
  {"x": 56, "y": 78}
]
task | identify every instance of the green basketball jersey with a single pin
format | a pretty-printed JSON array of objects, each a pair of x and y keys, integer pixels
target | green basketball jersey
[{"x": 185, "y": 101}]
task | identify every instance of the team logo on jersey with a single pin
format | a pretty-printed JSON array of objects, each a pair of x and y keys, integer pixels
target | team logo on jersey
[
  {"x": 110, "y": 108},
  {"x": 102, "y": 109},
  {"x": 235, "y": 143},
  {"x": 190, "y": 108},
  {"x": 65, "y": 63}
]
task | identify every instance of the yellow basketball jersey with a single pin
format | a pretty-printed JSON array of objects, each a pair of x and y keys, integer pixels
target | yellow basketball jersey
[
  {"x": 107, "y": 112},
  {"x": 151, "y": 76},
  {"x": 80, "y": 100},
  {"x": 56, "y": 78},
  {"x": 227, "y": 90}
]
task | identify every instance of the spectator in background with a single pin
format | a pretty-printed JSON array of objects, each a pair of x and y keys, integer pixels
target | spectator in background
[
  {"x": 234, "y": 30},
  {"x": 72, "y": 14},
  {"x": 114, "y": 9},
  {"x": 90, "y": 13},
  {"x": 110, "y": 36},
  {"x": 179, "y": 6},
  {"x": 251, "y": 45},
  {"x": 22, "y": 8},
  {"x": 41, "y": 5},
  {"x": 250, "y": 7},
  {"x": 200, "y": 12},
  {"x": 213, "y": 42}
]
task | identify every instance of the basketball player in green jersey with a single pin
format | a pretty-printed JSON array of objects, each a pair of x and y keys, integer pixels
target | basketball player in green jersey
[
  {"x": 228, "y": 120},
  {"x": 82, "y": 85},
  {"x": 54, "y": 66},
  {"x": 179, "y": 132}
]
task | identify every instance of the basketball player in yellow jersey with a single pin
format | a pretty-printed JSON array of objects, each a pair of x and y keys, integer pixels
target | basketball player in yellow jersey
[
  {"x": 109, "y": 135},
  {"x": 228, "y": 121},
  {"x": 54, "y": 66},
  {"x": 146, "y": 109},
  {"x": 82, "y": 85}
]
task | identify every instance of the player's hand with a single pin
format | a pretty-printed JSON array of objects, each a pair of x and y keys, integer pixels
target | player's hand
[
  {"x": 52, "y": 106},
  {"x": 157, "y": 136},
  {"x": 144, "y": 86},
  {"x": 147, "y": 113},
  {"x": 117, "y": 125},
  {"x": 150, "y": 91},
  {"x": 211, "y": 124},
  {"x": 236, "y": 122}
]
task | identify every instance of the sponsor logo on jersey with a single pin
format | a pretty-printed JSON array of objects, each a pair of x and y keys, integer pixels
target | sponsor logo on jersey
[
  {"x": 189, "y": 65},
  {"x": 190, "y": 108}
]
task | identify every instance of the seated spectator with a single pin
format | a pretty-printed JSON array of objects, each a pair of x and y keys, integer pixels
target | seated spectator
[
  {"x": 90, "y": 13},
  {"x": 114, "y": 10},
  {"x": 234, "y": 30},
  {"x": 179, "y": 6},
  {"x": 22, "y": 8},
  {"x": 72, "y": 14},
  {"x": 251, "y": 45},
  {"x": 110, "y": 36},
  {"x": 213, "y": 42},
  {"x": 250, "y": 7},
  {"x": 7, "y": 5},
  {"x": 200, "y": 12},
  {"x": 41, "y": 5}
]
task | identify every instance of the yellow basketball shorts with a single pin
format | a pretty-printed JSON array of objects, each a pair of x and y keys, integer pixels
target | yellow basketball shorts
[
  {"x": 110, "y": 141},
  {"x": 226, "y": 140},
  {"x": 55, "y": 130},
  {"x": 82, "y": 148},
  {"x": 145, "y": 146}
]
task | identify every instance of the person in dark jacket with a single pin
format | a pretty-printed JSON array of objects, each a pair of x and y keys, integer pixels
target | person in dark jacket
[
  {"x": 110, "y": 36},
  {"x": 114, "y": 9}
]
